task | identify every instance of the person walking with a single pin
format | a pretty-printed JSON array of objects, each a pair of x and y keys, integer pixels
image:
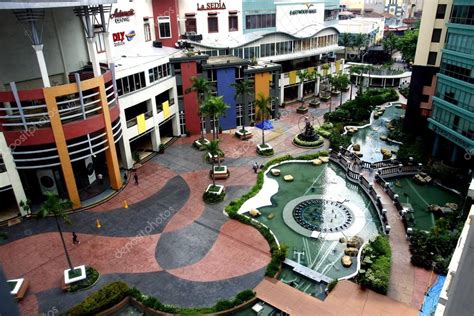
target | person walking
[
  {"x": 135, "y": 177},
  {"x": 75, "y": 241},
  {"x": 255, "y": 167}
]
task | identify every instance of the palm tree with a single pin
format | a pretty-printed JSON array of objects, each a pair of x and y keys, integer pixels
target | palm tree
[
  {"x": 340, "y": 82},
  {"x": 262, "y": 103},
  {"x": 243, "y": 88},
  {"x": 216, "y": 108},
  {"x": 56, "y": 206},
  {"x": 346, "y": 41},
  {"x": 213, "y": 150},
  {"x": 203, "y": 88}
]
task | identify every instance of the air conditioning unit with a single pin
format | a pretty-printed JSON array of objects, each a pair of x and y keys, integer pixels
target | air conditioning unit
[{"x": 157, "y": 44}]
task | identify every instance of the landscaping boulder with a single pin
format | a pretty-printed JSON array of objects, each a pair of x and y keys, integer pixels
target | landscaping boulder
[
  {"x": 255, "y": 213},
  {"x": 351, "y": 251},
  {"x": 346, "y": 261},
  {"x": 386, "y": 153},
  {"x": 355, "y": 242},
  {"x": 324, "y": 159},
  {"x": 317, "y": 162},
  {"x": 275, "y": 172},
  {"x": 270, "y": 216},
  {"x": 288, "y": 178},
  {"x": 383, "y": 137},
  {"x": 356, "y": 147}
]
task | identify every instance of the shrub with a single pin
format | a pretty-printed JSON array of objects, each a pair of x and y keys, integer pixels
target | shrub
[
  {"x": 375, "y": 265},
  {"x": 332, "y": 285},
  {"x": 92, "y": 275},
  {"x": 265, "y": 152},
  {"x": 337, "y": 140},
  {"x": 104, "y": 298},
  {"x": 210, "y": 197},
  {"x": 303, "y": 143}
]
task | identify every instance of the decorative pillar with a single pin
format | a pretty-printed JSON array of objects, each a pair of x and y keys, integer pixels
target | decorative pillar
[{"x": 42, "y": 65}]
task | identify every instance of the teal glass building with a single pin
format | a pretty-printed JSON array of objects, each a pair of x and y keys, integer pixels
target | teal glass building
[{"x": 452, "y": 119}]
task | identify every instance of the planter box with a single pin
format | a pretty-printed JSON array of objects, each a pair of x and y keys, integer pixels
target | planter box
[
  {"x": 220, "y": 174},
  {"x": 247, "y": 135},
  {"x": 216, "y": 159},
  {"x": 82, "y": 276},
  {"x": 336, "y": 92},
  {"x": 20, "y": 288},
  {"x": 265, "y": 151},
  {"x": 325, "y": 97},
  {"x": 266, "y": 148},
  {"x": 302, "y": 110},
  {"x": 200, "y": 144},
  {"x": 221, "y": 189},
  {"x": 314, "y": 103}
]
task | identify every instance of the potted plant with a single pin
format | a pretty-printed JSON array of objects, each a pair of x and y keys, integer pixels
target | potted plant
[
  {"x": 243, "y": 89},
  {"x": 262, "y": 105},
  {"x": 161, "y": 149}
]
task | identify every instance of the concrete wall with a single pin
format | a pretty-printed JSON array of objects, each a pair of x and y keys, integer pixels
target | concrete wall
[
  {"x": 226, "y": 77},
  {"x": 17, "y": 57}
]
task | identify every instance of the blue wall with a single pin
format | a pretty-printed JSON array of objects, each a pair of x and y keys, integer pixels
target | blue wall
[{"x": 226, "y": 77}]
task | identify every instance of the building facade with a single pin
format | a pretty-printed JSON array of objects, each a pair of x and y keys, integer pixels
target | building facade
[
  {"x": 452, "y": 118},
  {"x": 431, "y": 39}
]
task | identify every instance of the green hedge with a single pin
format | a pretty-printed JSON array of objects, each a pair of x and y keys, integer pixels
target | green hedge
[
  {"x": 234, "y": 206},
  {"x": 210, "y": 197},
  {"x": 92, "y": 275},
  {"x": 106, "y": 297},
  {"x": 303, "y": 143},
  {"x": 375, "y": 266}
]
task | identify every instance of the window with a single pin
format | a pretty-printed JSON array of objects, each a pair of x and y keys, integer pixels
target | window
[
  {"x": 463, "y": 14},
  {"x": 436, "y": 36},
  {"x": 212, "y": 24},
  {"x": 457, "y": 70},
  {"x": 147, "y": 30},
  {"x": 440, "y": 11},
  {"x": 257, "y": 21},
  {"x": 233, "y": 23},
  {"x": 432, "y": 58},
  {"x": 131, "y": 83},
  {"x": 159, "y": 72},
  {"x": 164, "y": 26},
  {"x": 425, "y": 98},
  {"x": 190, "y": 25},
  {"x": 100, "y": 43}
]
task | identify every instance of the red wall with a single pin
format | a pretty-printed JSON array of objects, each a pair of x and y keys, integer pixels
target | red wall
[
  {"x": 191, "y": 107},
  {"x": 166, "y": 8}
]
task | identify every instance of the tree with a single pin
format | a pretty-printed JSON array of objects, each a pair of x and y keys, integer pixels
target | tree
[
  {"x": 243, "y": 89},
  {"x": 56, "y": 206},
  {"x": 389, "y": 43},
  {"x": 406, "y": 44},
  {"x": 302, "y": 75},
  {"x": 360, "y": 40},
  {"x": 203, "y": 88},
  {"x": 346, "y": 41},
  {"x": 213, "y": 149},
  {"x": 262, "y": 103},
  {"x": 340, "y": 82},
  {"x": 215, "y": 107}
]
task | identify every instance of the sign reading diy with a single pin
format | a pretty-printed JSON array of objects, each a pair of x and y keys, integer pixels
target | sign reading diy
[{"x": 119, "y": 37}]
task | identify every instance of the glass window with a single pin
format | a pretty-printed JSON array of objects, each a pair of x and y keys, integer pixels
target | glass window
[
  {"x": 190, "y": 25},
  {"x": 233, "y": 23},
  {"x": 432, "y": 58},
  {"x": 436, "y": 36},
  {"x": 440, "y": 11},
  {"x": 213, "y": 24},
  {"x": 164, "y": 26},
  {"x": 256, "y": 21},
  {"x": 147, "y": 29}
]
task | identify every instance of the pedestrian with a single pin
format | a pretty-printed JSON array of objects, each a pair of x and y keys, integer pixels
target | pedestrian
[
  {"x": 135, "y": 176},
  {"x": 255, "y": 167},
  {"x": 75, "y": 241},
  {"x": 125, "y": 177},
  {"x": 100, "y": 178}
]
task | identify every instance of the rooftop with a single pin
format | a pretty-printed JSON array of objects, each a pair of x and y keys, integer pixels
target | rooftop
[{"x": 41, "y": 4}]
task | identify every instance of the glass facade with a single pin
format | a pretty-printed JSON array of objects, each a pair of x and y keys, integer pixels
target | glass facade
[{"x": 453, "y": 103}]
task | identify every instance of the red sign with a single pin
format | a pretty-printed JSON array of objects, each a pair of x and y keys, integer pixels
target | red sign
[
  {"x": 118, "y": 38},
  {"x": 120, "y": 16},
  {"x": 211, "y": 6}
]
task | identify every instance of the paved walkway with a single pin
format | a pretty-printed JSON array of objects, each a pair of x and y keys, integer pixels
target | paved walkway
[{"x": 346, "y": 299}]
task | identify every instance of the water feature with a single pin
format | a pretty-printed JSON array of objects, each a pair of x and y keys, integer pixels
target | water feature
[
  {"x": 369, "y": 137},
  {"x": 321, "y": 194}
]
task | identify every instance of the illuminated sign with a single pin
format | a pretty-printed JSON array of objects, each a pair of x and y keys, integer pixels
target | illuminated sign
[
  {"x": 120, "y": 16},
  {"x": 211, "y": 6}
]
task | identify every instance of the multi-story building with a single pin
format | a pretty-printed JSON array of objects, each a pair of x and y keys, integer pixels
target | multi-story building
[
  {"x": 431, "y": 40},
  {"x": 59, "y": 115},
  {"x": 452, "y": 118}
]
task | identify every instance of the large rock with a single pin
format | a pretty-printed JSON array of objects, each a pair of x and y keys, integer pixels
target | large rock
[
  {"x": 351, "y": 251},
  {"x": 355, "y": 242},
  {"x": 317, "y": 162},
  {"x": 275, "y": 172},
  {"x": 386, "y": 153},
  {"x": 356, "y": 147},
  {"x": 324, "y": 159},
  {"x": 346, "y": 261},
  {"x": 288, "y": 178}
]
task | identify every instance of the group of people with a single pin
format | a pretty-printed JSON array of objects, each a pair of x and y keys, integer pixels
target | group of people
[{"x": 256, "y": 167}]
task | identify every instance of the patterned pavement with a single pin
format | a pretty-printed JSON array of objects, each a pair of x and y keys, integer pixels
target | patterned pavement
[{"x": 168, "y": 242}]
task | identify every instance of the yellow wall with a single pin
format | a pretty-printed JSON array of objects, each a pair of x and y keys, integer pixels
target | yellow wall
[
  {"x": 292, "y": 76},
  {"x": 262, "y": 84},
  {"x": 141, "y": 124}
]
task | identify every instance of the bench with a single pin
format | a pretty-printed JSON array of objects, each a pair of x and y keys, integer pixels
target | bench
[{"x": 23, "y": 289}]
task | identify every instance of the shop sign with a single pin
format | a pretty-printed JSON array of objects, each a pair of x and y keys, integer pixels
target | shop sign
[
  {"x": 211, "y": 6},
  {"x": 119, "y": 37},
  {"x": 307, "y": 11},
  {"x": 120, "y": 16}
]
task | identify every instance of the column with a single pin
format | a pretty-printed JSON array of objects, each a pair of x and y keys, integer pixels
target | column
[
  {"x": 93, "y": 56},
  {"x": 155, "y": 133},
  {"x": 316, "y": 85},
  {"x": 300, "y": 90},
  {"x": 108, "y": 48},
  {"x": 435, "y": 146},
  {"x": 42, "y": 65},
  {"x": 282, "y": 88}
]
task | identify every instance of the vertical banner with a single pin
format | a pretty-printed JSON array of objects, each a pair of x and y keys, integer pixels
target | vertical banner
[
  {"x": 166, "y": 109},
  {"x": 90, "y": 169},
  {"x": 292, "y": 76},
  {"x": 141, "y": 125}
]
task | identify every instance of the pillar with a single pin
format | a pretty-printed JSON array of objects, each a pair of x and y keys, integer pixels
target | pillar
[
  {"x": 317, "y": 82},
  {"x": 434, "y": 152},
  {"x": 110, "y": 153},
  {"x": 60, "y": 139},
  {"x": 282, "y": 88},
  {"x": 300, "y": 90},
  {"x": 108, "y": 48},
  {"x": 93, "y": 56},
  {"x": 42, "y": 65}
]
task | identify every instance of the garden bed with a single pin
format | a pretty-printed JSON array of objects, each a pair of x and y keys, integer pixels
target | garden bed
[
  {"x": 265, "y": 150},
  {"x": 308, "y": 144},
  {"x": 221, "y": 172},
  {"x": 201, "y": 144},
  {"x": 214, "y": 193},
  {"x": 243, "y": 134},
  {"x": 301, "y": 110}
]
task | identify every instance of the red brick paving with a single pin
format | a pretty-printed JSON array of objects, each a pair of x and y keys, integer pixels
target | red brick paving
[
  {"x": 151, "y": 178},
  {"x": 239, "y": 249}
]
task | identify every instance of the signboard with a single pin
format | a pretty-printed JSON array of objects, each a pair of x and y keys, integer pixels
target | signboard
[
  {"x": 119, "y": 37},
  {"x": 120, "y": 16},
  {"x": 211, "y": 6}
]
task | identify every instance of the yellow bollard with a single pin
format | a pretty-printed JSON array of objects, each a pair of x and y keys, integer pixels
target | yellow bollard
[
  {"x": 125, "y": 204},
  {"x": 97, "y": 223}
]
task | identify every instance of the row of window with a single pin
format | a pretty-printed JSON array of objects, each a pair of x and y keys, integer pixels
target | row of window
[
  {"x": 453, "y": 95},
  {"x": 460, "y": 43},
  {"x": 260, "y": 21},
  {"x": 458, "y": 124},
  {"x": 159, "y": 72},
  {"x": 462, "y": 14},
  {"x": 278, "y": 48},
  {"x": 212, "y": 24},
  {"x": 456, "y": 69}
]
